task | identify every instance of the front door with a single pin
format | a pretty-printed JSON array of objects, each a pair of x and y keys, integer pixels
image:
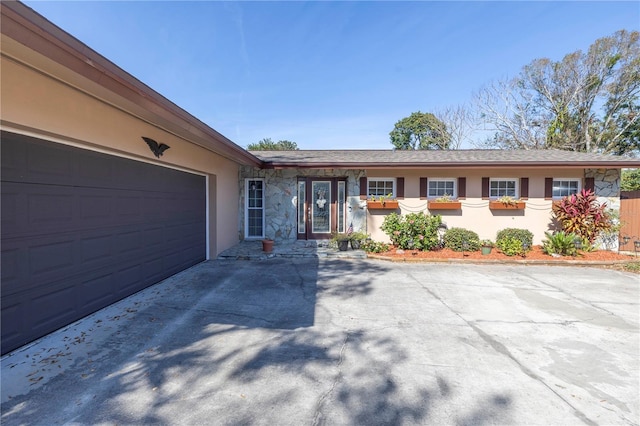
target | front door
[{"x": 321, "y": 209}]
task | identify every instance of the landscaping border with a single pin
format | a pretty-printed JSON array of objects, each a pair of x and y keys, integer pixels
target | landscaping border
[{"x": 504, "y": 261}]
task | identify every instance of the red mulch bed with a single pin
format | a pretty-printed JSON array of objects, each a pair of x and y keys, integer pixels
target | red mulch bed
[{"x": 535, "y": 254}]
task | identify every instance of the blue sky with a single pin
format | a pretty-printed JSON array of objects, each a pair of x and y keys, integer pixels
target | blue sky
[{"x": 329, "y": 75}]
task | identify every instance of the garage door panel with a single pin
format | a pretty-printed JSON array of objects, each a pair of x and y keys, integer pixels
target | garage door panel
[
  {"x": 95, "y": 249},
  {"x": 131, "y": 176},
  {"x": 55, "y": 305},
  {"x": 127, "y": 209},
  {"x": 88, "y": 230},
  {"x": 153, "y": 235},
  {"x": 128, "y": 242},
  {"x": 48, "y": 258},
  {"x": 13, "y": 160},
  {"x": 33, "y": 209},
  {"x": 96, "y": 207},
  {"x": 51, "y": 258},
  {"x": 49, "y": 163},
  {"x": 9, "y": 209},
  {"x": 96, "y": 292},
  {"x": 127, "y": 280},
  {"x": 152, "y": 269},
  {"x": 50, "y": 208},
  {"x": 153, "y": 207},
  {"x": 94, "y": 172},
  {"x": 12, "y": 321}
]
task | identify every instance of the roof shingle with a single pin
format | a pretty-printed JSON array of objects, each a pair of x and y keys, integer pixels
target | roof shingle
[{"x": 449, "y": 158}]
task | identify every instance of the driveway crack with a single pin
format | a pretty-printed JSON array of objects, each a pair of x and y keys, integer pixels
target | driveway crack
[
  {"x": 234, "y": 314},
  {"x": 567, "y": 322},
  {"x": 338, "y": 378},
  {"x": 502, "y": 349}
]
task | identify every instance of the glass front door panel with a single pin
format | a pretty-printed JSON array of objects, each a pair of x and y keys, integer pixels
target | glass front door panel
[
  {"x": 321, "y": 207},
  {"x": 341, "y": 204},
  {"x": 302, "y": 214}
]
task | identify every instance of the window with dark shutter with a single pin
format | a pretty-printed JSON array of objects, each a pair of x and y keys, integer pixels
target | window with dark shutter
[
  {"x": 363, "y": 188},
  {"x": 485, "y": 188},
  {"x": 462, "y": 188},
  {"x": 423, "y": 188},
  {"x": 524, "y": 188},
  {"x": 590, "y": 184},
  {"x": 548, "y": 188},
  {"x": 400, "y": 188}
]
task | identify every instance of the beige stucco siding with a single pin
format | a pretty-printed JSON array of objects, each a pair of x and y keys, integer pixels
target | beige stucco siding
[
  {"x": 39, "y": 105},
  {"x": 475, "y": 213}
]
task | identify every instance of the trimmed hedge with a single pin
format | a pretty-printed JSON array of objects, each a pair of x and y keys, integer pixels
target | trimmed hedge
[
  {"x": 455, "y": 239},
  {"x": 512, "y": 241}
]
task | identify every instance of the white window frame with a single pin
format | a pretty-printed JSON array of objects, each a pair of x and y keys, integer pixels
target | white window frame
[
  {"x": 505, "y": 179},
  {"x": 561, "y": 179},
  {"x": 246, "y": 208},
  {"x": 382, "y": 179},
  {"x": 455, "y": 187}
]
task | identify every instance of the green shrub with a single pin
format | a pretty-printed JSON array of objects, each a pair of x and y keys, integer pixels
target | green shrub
[
  {"x": 374, "y": 247},
  {"x": 358, "y": 236},
  {"x": 511, "y": 246},
  {"x": 513, "y": 241},
  {"x": 414, "y": 231},
  {"x": 524, "y": 235},
  {"x": 561, "y": 243},
  {"x": 630, "y": 180},
  {"x": 460, "y": 239}
]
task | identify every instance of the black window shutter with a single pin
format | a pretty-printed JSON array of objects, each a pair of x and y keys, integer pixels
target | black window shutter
[
  {"x": 400, "y": 188},
  {"x": 524, "y": 188},
  {"x": 590, "y": 183},
  {"x": 548, "y": 188},
  {"x": 485, "y": 188},
  {"x": 363, "y": 188},
  {"x": 462, "y": 188},
  {"x": 423, "y": 188}
]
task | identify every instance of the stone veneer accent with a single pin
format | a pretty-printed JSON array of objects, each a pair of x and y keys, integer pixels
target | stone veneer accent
[
  {"x": 281, "y": 199},
  {"x": 607, "y": 185},
  {"x": 607, "y": 188},
  {"x": 607, "y": 181}
]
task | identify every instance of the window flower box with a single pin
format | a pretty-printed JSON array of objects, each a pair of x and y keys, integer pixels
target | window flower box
[
  {"x": 444, "y": 205},
  {"x": 382, "y": 205},
  {"x": 512, "y": 205}
]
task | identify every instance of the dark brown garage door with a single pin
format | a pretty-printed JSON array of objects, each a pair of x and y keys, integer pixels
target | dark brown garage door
[{"x": 81, "y": 230}]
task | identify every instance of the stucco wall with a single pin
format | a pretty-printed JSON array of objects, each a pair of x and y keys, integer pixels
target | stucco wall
[
  {"x": 38, "y": 105},
  {"x": 475, "y": 213}
]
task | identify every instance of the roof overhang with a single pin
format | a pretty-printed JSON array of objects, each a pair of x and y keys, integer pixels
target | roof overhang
[
  {"x": 452, "y": 165},
  {"x": 52, "y": 51}
]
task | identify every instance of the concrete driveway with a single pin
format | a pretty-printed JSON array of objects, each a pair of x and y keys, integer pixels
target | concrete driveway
[{"x": 336, "y": 342}]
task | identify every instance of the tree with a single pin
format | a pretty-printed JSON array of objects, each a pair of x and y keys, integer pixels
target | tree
[
  {"x": 460, "y": 121},
  {"x": 420, "y": 131},
  {"x": 509, "y": 114},
  {"x": 267, "y": 144},
  {"x": 630, "y": 180},
  {"x": 585, "y": 102}
]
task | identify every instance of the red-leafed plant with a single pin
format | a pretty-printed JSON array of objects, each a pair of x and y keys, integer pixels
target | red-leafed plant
[{"x": 582, "y": 215}]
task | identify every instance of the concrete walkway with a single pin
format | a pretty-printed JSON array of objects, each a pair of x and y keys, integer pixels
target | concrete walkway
[
  {"x": 252, "y": 250},
  {"x": 311, "y": 341}
]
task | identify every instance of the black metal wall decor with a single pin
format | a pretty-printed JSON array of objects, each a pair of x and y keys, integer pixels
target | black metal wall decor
[{"x": 157, "y": 149}]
